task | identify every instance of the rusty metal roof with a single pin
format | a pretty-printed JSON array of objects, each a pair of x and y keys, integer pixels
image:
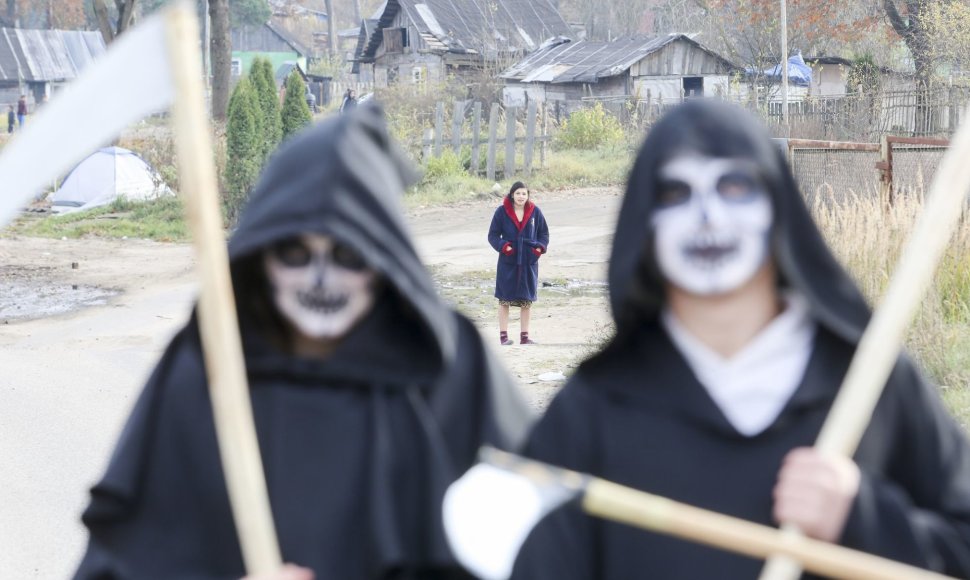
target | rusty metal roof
[
  {"x": 587, "y": 61},
  {"x": 46, "y": 55},
  {"x": 485, "y": 27}
]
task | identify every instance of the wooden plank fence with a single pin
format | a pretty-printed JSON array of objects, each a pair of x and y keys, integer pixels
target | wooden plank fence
[{"x": 468, "y": 115}]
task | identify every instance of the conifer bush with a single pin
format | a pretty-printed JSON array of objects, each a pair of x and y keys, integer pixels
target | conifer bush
[
  {"x": 244, "y": 146},
  {"x": 296, "y": 113},
  {"x": 264, "y": 82}
]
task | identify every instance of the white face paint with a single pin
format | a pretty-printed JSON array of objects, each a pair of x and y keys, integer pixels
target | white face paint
[
  {"x": 321, "y": 286},
  {"x": 711, "y": 230}
]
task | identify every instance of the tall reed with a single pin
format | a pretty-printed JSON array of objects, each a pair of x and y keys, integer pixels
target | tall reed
[{"x": 867, "y": 235}]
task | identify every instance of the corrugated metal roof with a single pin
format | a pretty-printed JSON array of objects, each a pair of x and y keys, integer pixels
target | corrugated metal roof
[
  {"x": 475, "y": 26},
  {"x": 46, "y": 55},
  {"x": 588, "y": 61}
]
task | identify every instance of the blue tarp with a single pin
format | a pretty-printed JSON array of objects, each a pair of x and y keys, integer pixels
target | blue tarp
[{"x": 799, "y": 73}]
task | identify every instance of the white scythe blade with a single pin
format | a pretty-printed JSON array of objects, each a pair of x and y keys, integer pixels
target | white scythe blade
[
  {"x": 129, "y": 82},
  {"x": 489, "y": 512}
]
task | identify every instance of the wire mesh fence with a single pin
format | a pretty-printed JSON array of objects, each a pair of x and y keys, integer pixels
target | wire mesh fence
[
  {"x": 913, "y": 166},
  {"x": 846, "y": 117},
  {"x": 835, "y": 172},
  {"x": 833, "y": 175}
]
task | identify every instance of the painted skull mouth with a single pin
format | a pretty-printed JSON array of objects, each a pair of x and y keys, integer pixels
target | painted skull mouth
[
  {"x": 710, "y": 252},
  {"x": 323, "y": 303}
]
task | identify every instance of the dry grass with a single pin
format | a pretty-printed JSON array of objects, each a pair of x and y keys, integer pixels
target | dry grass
[{"x": 868, "y": 238}]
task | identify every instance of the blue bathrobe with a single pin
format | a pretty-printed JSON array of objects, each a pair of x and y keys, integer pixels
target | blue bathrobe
[{"x": 519, "y": 246}]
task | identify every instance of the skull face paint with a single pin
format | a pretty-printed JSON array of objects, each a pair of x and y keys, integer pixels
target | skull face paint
[
  {"x": 711, "y": 229},
  {"x": 323, "y": 287}
]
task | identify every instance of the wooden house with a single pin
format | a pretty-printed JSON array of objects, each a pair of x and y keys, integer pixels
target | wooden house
[
  {"x": 663, "y": 68},
  {"x": 427, "y": 41},
  {"x": 269, "y": 41},
  {"x": 37, "y": 63}
]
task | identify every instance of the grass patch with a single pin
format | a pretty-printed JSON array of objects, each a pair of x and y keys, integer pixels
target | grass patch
[
  {"x": 598, "y": 339},
  {"x": 160, "y": 220},
  {"x": 446, "y": 180},
  {"x": 577, "y": 168},
  {"x": 958, "y": 401},
  {"x": 868, "y": 241},
  {"x": 448, "y": 189}
]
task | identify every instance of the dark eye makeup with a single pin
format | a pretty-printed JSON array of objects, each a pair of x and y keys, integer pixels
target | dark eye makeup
[
  {"x": 347, "y": 257},
  {"x": 737, "y": 186},
  {"x": 673, "y": 192},
  {"x": 294, "y": 253}
]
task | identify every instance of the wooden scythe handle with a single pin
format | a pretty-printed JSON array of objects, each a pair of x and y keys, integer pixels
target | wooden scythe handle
[
  {"x": 225, "y": 367},
  {"x": 643, "y": 510}
]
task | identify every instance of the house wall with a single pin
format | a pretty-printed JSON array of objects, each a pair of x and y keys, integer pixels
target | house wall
[
  {"x": 245, "y": 60},
  {"x": 35, "y": 91},
  {"x": 519, "y": 95},
  {"x": 680, "y": 58},
  {"x": 257, "y": 39},
  {"x": 672, "y": 87},
  {"x": 828, "y": 80},
  {"x": 571, "y": 94},
  {"x": 408, "y": 67},
  {"x": 412, "y": 64}
]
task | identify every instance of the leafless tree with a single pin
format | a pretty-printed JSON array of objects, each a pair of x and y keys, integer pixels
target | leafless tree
[
  {"x": 109, "y": 27},
  {"x": 221, "y": 53}
]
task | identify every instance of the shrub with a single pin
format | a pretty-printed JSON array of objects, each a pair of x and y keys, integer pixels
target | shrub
[
  {"x": 447, "y": 165},
  {"x": 410, "y": 109},
  {"x": 265, "y": 84},
  {"x": 296, "y": 113},
  {"x": 243, "y": 148},
  {"x": 589, "y": 129}
]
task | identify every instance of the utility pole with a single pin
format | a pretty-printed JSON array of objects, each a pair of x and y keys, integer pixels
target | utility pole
[
  {"x": 205, "y": 40},
  {"x": 784, "y": 65},
  {"x": 331, "y": 31}
]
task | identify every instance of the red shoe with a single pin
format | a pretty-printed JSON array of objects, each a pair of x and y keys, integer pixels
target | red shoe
[
  {"x": 507, "y": 342},
  {"x": 528, "y": 341}
]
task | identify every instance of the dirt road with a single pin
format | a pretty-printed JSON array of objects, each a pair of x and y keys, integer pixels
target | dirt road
[{"x": 69, "y": 379}]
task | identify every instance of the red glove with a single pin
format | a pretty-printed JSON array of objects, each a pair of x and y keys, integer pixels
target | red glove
[
  {"x": 507, "y": 249},
  {"x": 537, "y": 251}
]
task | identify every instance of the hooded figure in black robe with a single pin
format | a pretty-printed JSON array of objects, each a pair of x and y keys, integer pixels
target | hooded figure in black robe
[
  {"x": 637, "y": 413},
  {"x": 358, "y": 445}
]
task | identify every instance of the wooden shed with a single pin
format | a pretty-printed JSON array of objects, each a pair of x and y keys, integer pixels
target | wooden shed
[
  {"x": 668, "y": 67},
  {"x": 37, "y": 63}
]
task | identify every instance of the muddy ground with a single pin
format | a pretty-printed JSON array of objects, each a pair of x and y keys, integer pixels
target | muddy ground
[{"x": 83, "y": 321}]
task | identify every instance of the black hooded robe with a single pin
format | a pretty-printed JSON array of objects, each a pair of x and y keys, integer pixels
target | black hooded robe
[
  {"x": 358, "y": 448},
  {"x": 637, "y": 415}
]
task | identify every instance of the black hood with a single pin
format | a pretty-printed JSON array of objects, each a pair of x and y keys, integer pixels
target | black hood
[
  {"x": 344, "y": 178},
  {"x": 716, "y": 129}
]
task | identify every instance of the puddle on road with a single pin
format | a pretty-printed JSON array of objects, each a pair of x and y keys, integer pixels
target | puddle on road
[
  {"x": 29, "y": 293},
  {"x": 575, "y": 287}
]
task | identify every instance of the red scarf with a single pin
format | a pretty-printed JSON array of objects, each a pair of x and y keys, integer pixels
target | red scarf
[{"x": 526, "y": 215}]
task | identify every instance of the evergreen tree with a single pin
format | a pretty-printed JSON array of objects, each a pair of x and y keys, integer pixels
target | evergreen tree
[
  {"x": 296, "y": 113},
  {"x": 264, "y": 82},
  {"x": 243, "y": 148}
]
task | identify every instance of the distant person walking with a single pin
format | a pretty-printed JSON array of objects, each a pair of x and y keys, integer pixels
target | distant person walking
[
  {"x": 22, "y": 111},
  {"x": 520, "y": 235},
  {"x": 349, "y": 102},
  {"x": 11, "y": 119}
]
